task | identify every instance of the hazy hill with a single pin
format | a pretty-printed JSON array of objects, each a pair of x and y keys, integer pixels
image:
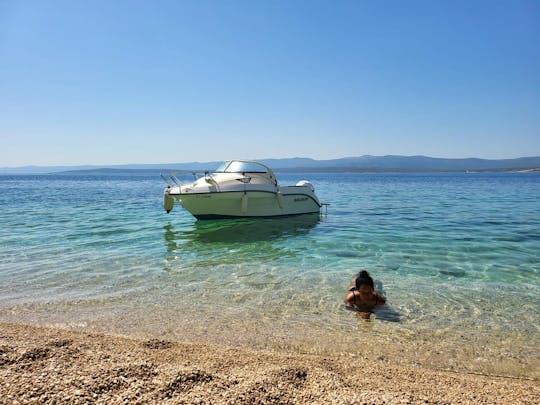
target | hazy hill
[
  {"x": 413, "y": 163},
  {"x": 360, "y": 163}
]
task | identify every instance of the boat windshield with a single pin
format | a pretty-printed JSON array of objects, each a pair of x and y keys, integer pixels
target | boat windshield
[{"x": 241, "y": 167}]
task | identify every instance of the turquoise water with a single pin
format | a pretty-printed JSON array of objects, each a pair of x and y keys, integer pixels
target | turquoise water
[{"x": 457, "y": 255}]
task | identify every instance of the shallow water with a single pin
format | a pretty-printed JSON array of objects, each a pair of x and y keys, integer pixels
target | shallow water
[{"x": 457, "y": 255}]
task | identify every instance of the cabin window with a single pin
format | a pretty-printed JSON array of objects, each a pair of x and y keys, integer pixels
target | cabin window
[{"x": 241, "y": 167}]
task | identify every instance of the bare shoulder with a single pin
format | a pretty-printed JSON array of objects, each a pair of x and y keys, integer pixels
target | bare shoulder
[{"x": 349, "y": 297}]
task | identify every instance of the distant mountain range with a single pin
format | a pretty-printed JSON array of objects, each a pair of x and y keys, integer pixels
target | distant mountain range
[{"x": 366, "y": 163}]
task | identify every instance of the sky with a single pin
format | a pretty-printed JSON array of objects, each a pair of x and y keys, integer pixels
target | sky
[{"x": 118, "y": 82}]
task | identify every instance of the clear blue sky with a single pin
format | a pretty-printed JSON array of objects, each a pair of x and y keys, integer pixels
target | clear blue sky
[{"x": 112, "y": 82}]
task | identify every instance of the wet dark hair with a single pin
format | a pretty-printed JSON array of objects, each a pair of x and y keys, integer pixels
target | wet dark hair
[{"x": 364, "y": 278}]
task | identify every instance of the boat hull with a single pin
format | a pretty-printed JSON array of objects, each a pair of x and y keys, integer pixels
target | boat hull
[{"x": 242, "y": 204}]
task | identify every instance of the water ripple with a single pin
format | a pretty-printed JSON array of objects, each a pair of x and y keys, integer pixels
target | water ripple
[{"x": 453, "y": 254}]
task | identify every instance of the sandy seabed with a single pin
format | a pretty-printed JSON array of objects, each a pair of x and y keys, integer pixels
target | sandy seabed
[{"x": 44, "y": 365}]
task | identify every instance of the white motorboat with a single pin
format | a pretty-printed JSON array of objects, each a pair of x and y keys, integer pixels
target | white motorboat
[{"x": 239, "y": 189}]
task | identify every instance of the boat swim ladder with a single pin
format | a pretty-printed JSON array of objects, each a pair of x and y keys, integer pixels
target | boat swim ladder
[{"x": 324, "y": 207}]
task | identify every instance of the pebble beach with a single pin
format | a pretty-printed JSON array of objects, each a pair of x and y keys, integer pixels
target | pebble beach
[{"x": 50, "y": 365}]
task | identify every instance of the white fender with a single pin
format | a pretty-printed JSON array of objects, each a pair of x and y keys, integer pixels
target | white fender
[
  {"x": 168, "y": 201},
  {"x": 279, "y": 199}
]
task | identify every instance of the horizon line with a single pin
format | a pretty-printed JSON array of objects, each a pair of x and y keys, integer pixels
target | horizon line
[{"x": 104, "y": 165}]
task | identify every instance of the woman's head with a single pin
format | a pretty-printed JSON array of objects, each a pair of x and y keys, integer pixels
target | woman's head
[{"x": 364, "y": 279}]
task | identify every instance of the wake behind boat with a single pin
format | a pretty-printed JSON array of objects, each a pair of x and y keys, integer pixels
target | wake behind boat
[{"x": 239, "y": 189}]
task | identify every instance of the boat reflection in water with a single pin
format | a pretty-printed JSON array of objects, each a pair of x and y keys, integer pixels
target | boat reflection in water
[
  {"x": 252, "y": 230},
  {"x": 245, "y": 230},
  {"x": 203, "y": 246}
]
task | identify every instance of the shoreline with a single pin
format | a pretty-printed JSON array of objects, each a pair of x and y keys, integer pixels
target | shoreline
[
  {"x": 44, "y": 365},
  {"x": 462, "y": 348}
]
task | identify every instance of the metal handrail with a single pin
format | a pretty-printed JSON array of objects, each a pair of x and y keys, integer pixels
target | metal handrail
[{"x": 172, "y": 176}]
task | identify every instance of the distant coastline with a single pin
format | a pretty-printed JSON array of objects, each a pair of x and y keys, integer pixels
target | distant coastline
[{"x": 361, "y": 164}]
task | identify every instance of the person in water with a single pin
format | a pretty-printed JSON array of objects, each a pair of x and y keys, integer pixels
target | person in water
[{"x": 362, "y": 297}]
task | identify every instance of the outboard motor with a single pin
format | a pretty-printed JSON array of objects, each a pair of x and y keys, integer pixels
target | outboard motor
[{"x": 305, "y": 183}]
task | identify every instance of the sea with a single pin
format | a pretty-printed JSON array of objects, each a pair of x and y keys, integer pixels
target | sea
[{"x": 457, "y": 255}]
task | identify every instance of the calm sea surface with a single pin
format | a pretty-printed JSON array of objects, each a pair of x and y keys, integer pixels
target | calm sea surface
[{"x": 457, "y": 256}]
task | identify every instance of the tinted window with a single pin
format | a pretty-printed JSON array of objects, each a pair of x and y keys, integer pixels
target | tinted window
[{"x": 240, "y": 167}]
